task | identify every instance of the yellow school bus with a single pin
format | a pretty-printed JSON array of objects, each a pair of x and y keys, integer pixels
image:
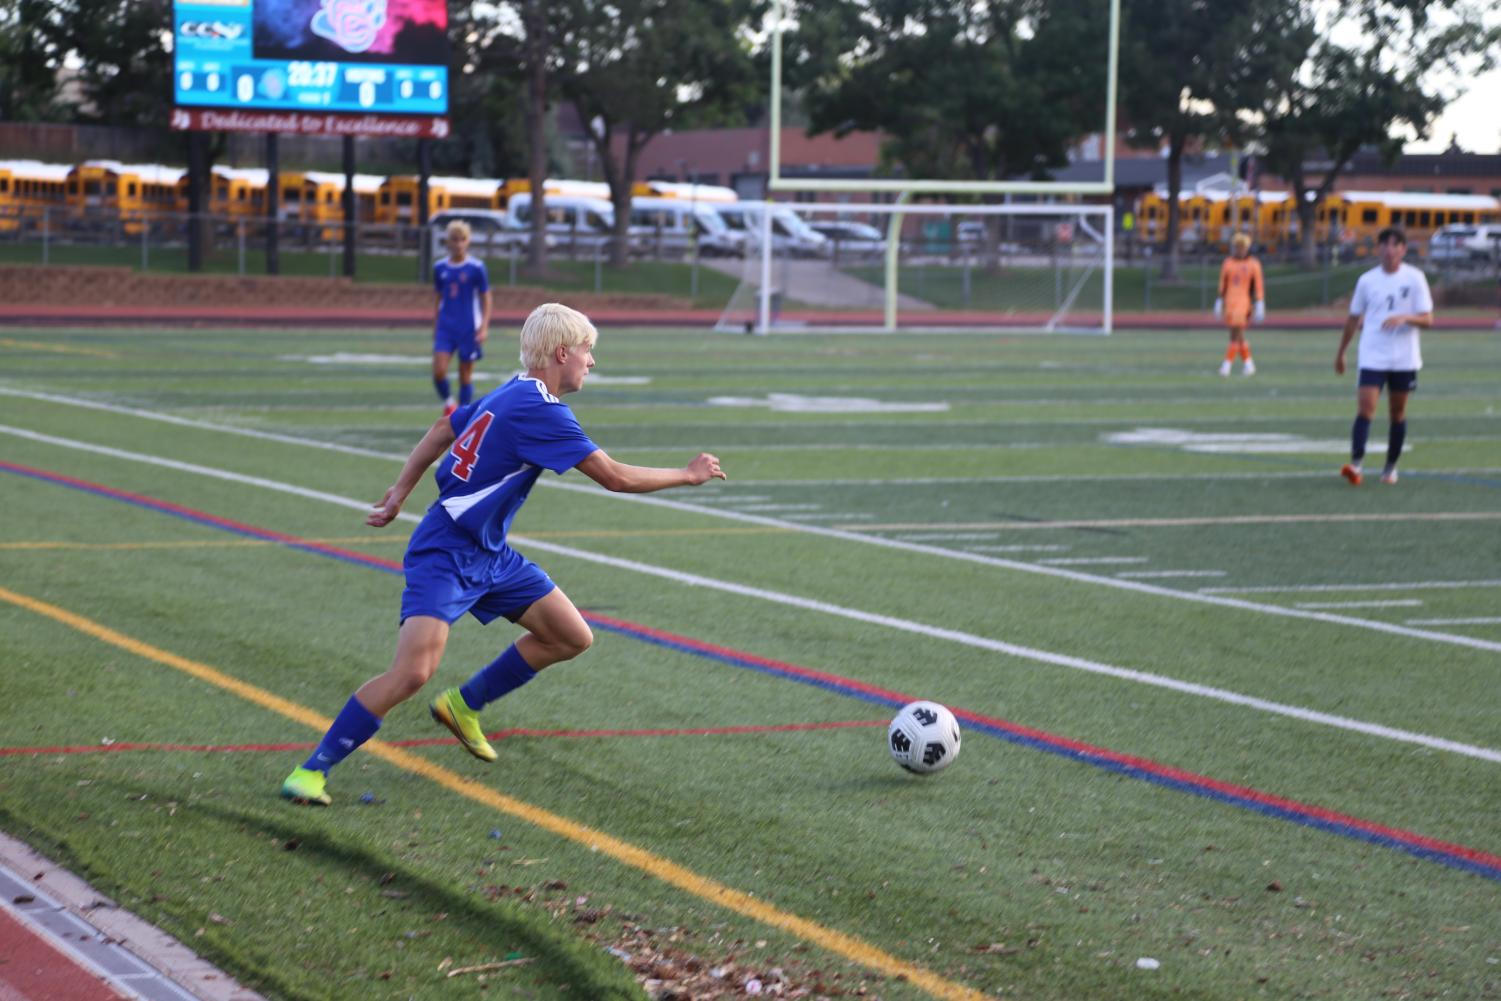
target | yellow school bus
[{"x": 27, "y": 188}]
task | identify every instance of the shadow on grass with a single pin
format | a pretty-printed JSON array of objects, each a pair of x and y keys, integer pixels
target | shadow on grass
[{"x": 323, "y": 879}]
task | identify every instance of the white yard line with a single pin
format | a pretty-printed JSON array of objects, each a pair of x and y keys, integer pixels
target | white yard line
[
  {"x": 1156, "y": 574},
  {"x": 949, "y": 537},
  {"x": 1229, "y": 519},
  {"x": 1399, "y": 603},
  {"x": 1084, "y": 561},
  {"x": 827, "y": 608},
  {"x": 852, "y": 534},
  {"x": 1487, "y": 621},
  {"x": 923, "y": 481},
  {"x": 1421, "y": 585}
]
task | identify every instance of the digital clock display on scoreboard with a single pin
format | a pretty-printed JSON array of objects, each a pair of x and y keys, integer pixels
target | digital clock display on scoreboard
[{"x": 375, "y": 56}]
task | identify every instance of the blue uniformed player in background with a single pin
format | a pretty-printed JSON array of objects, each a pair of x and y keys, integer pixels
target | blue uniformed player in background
[
  {"x": 489, "y": 455},
  {"x": 463, "y": 316}
]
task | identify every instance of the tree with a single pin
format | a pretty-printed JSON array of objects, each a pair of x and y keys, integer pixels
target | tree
[
  {"x": 634, "y": 68},
  {"x": 126, "y": 70},
  {"x": 1348, "y": 97},
  {"x": 29, "y": 58},
  {"x": 1190, "y": 68},
  {"x": 968, "y": 91}
]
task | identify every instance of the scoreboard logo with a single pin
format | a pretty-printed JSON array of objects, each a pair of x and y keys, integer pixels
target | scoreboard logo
[
  {"x": 211, "y": 29},
  {"x": 350, "y": 24}
]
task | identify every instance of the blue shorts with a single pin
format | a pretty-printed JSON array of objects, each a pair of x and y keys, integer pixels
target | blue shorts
[
  {"x": 446, "y": 342},
  {"x": 447, "y": 576},
  {"x": 1398, "y": 382}
]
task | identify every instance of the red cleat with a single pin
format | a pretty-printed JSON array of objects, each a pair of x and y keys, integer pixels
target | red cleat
[
  {"x": 449, "y": 408},
  {"x": 1351, "y": 472}
]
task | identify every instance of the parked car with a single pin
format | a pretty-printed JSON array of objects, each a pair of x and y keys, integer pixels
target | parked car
[
  {"x": 490, "y": 232},
  {"x": 851, "y": 239},
  {"x": 669, "y": 225},
  {"x": 1461, "y": 242},
  {"x": 790, "y": 232}
]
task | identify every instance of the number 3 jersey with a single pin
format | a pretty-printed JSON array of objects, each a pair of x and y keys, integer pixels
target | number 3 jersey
[
  {"x": 504, "y": 441},
  {"x": 1379, "y": 294}
]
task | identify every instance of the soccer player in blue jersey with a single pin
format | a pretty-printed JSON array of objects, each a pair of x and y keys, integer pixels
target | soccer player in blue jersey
[
  {"x": 489, "y": 455},
  {"x": 463, "y": 316}
]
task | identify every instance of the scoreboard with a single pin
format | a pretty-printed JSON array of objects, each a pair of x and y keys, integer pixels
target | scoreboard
[{"x": 381, "y": 57}]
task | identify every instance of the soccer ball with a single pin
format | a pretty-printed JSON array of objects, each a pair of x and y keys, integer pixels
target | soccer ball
[{"x": 923, "y": 738}]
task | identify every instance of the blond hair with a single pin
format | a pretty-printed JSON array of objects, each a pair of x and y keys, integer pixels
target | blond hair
[
  {"x": 1241, "y": 242},
  {"x": 553, "y": 325},
  {"x": 458, "y": 228}
]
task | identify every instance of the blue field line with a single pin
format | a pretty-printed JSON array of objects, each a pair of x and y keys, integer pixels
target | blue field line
[{"x": 1419, "y": 846}]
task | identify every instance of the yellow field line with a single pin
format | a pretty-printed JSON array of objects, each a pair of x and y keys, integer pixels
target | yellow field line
[
  {"x": 623, "y": 851},
  {"x": 62, "y": 349}
]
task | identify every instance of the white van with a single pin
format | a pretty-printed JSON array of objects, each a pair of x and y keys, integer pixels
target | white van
[
  {"x": 1465, "y": 242},
  {"x": 490, "y": 232},
  {"x": 790, "y": 233},
  {"x": 668, "y": 225},
  {"x": 573, "y": 221}
]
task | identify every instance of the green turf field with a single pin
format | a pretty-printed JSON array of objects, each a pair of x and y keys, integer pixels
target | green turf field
[{"x": 1221, "y": 711}]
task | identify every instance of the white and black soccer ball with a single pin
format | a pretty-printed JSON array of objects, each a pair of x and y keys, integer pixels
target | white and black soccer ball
[{"x": 923, "y": 738}]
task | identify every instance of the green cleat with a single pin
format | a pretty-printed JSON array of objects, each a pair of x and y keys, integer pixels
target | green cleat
[
  {"x": 452, "y": 711},
  {"x": 305, "y": 785}
]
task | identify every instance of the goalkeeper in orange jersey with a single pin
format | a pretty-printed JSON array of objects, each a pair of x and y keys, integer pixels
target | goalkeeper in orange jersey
[{"x": 1242, "y": 298}]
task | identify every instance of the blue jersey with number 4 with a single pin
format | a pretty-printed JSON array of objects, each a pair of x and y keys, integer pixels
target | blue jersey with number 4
[
  {"x": 461, "y": 285},
  {"x": 504, "y": 441}
]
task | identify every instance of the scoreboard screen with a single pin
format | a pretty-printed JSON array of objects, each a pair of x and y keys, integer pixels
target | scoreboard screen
[{"x": 374, "y": 56}]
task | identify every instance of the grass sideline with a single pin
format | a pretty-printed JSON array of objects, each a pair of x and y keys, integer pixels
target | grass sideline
[{"x": 1016, "y": 872}]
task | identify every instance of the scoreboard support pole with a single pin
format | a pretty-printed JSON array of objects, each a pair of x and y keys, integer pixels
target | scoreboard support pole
[
  {"x": 349, "y": 206},
  {"x": 273, "y": 205},
  {"x": 424, "y": 245},
  {"x": 197, "y": 157}
]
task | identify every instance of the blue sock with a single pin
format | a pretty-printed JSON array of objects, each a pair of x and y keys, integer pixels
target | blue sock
[
  {"x": 505, "y": 673},
  {"x": 1395, "y": 439},
  {"x": 1358, "y": 435},
  {"x": 441, "y": 385},
  {"x": 352, "y": 727},
  {"x": 466, "y": 393}
]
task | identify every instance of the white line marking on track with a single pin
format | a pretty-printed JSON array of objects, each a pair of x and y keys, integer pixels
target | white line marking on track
[
  {"x": 1399, "y": 603},
  {"x": 827, "y": 608},
  {"x": 852, "y": 534}
]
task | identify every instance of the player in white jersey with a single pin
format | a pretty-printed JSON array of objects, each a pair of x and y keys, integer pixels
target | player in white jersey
[{"x": 1390, "y": 306}]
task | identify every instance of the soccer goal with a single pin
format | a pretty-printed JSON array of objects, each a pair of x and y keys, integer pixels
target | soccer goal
[{"x": 864, "y": 267}]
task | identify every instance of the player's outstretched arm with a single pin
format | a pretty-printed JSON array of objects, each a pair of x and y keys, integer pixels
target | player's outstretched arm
[
  {"x": 1352, "y": 324},
  {"x": 621, "y": 477},
  {"x": 432, "y": 445}
]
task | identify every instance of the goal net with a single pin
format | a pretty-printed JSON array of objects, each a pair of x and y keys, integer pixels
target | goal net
[{"x": 867, "y": 267}]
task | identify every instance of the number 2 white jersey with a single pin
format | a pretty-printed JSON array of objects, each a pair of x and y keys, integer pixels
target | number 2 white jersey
[{"x": 1379, "y": 294}]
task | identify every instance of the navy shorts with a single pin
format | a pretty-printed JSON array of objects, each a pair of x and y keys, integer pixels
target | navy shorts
[
  {"x": 447, "y": 342},
  {"x": 1397, "y": 382},
  {"x": 445, "y": 581}
]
